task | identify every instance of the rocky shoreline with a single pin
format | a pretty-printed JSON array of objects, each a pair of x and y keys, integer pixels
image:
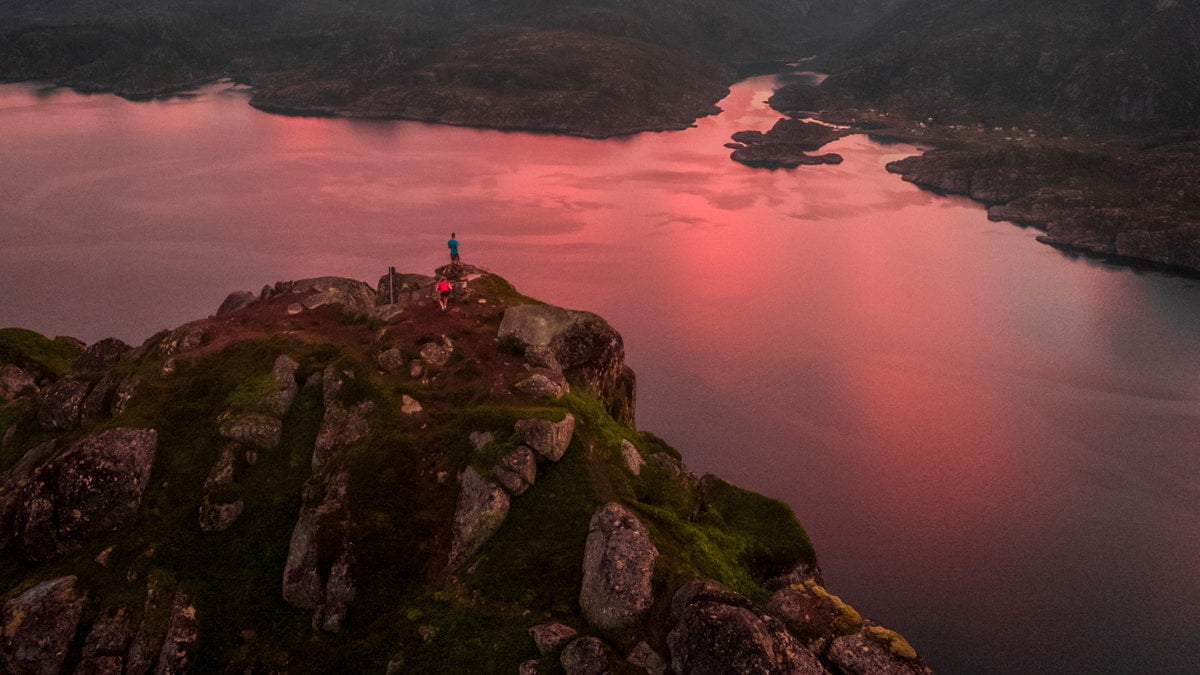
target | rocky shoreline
[
  {"x": 336, "y": 476},
  {"x": 1129, "y": 199}
]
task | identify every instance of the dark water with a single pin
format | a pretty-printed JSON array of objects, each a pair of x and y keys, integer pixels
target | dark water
[{"x": 995, "y": 448}]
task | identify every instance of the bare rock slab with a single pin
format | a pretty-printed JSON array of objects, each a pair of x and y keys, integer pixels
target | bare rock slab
[
  {"x": 618, "y": 564},
  {"x": 37, "y": 627},
  {"x": 482, "y": 508}
]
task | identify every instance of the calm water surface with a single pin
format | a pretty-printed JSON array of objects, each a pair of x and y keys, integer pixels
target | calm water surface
[{"x": 995, "y": 448}]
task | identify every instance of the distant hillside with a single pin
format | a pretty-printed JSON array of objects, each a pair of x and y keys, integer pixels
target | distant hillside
[
  {"x": 592, "y": 67},
  {"x": 1132, "y": 63}
]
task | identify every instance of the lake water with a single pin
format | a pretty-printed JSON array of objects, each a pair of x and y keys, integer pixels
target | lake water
[{"x": 995, "y": 447}]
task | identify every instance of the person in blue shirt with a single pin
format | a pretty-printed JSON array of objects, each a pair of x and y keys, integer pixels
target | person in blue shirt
[{"x": 453, "y": 246}]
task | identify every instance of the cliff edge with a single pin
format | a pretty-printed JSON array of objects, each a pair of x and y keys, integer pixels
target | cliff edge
[{"x": 331, "y": 476}]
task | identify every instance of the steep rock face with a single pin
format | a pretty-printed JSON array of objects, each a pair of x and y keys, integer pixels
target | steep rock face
[
  {"x": 718, "y": 631},
  {"x": 38, "y": 626},
  {"x": 584, "y": 345},
  {"x": 93, "y": 487},
  {"x": 618, "y": 564}
]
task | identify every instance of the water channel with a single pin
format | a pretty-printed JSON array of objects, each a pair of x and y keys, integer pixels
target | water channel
[{"x": 995, "y": 447}]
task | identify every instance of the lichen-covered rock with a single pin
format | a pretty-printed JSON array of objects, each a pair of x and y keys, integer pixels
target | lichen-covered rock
[
  {"x": 548, "y": 439},
  {"x": 717, "y": 631},
  {"x": 105, "y": 648},
  {"x": 586, "y": 656},
  {"x": 356, "y": 297},
  {"x": 147, "y": 644},
  {"x": 37, "y": 627},
  {"x": 517, "y": 471},
  {"x": 260, "y": 430},
  {"x": 340, "y": 592},
  {"x": 100, "y": 355},
  {"x": 644, "y": 657},
  {"x": 582, "y": 343},
  {"x": 323, "y": 496},
  {"x": 549, "y": 637},
  {"x": 14, "y": 382},
  {"x": 235, "y": 301},
  {"x": 543, "y": 383},
  {"x": 218, "y": 516},
  {"x": 436, "y": 355},
  {"x": 481, "y": 509},
  {"x": 632, "y": 458},
  {"x": 125, "y": 391},
  {"x": 183, "y": 631},
  {"x": 182, "y": 339},
  {"x": 391, "y": 360},
  {"x": 410, "y": 405},
  {"x": 813, "y": 615},
  {"x": 618, "y": 564},
  {"x": 13, "y": 484},
  {"x": 340, "y": 427},
  {"x": 93, "y": 487},
  {"x": 286, "y": 388},
  {"x": 874, "y": 650},
  {"x": 542, "y": 356},
  {"x": 62, "y": 405}
]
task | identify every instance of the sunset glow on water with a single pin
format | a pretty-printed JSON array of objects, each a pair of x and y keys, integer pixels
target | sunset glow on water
[{"x": 993, "y": 446}]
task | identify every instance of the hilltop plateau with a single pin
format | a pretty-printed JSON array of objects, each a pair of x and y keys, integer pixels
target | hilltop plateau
[{"x": 332, "y": 477}]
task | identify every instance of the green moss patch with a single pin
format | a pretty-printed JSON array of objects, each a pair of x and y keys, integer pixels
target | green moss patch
[
  {"x": 895, "y": 643},
  {"x": 27, "y": 348}
]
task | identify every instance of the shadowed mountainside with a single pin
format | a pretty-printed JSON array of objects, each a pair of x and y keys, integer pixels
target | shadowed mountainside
[{"x": 1123, "y": 63}]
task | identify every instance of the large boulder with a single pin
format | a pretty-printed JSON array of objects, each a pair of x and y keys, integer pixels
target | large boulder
[
  {"x": 717, "y": 631},
  {"x": 235, "y": 301},
  {"x": 37, "y": 627},
  {"x": 618, "y": 564},
  {"x": 356, "y": 297},
  {"x": 482, "y": 508},
  {"x": 62, "y": 405},
  {"x": 100, "y": 355},
  {"x": 546, "y": 438},
  {"x": 584, "y": 345},
  {"x": 92, "y": 488},
  {"x": 813, "y": 615}
]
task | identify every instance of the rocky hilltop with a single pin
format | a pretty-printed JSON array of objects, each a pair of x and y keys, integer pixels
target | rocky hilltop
[{"x": 327, "y": 476}]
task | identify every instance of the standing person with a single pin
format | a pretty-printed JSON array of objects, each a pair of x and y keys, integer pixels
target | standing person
[
  {"x": 453, "y": 246},
  {"x": 443, "y": 289}
]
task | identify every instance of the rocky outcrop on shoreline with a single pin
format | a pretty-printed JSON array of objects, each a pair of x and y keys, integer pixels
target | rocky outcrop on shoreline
[
  {"x": 285, "y": 481},
  {"x": 786, "y": 145}
]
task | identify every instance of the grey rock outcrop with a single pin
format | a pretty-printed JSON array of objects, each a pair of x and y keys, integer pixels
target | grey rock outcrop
[
  {"x": 543, "y": 383},
  {"x": 340, "y": 427},
  {"x": 12, "y": 486},
  {"x": 182, "y": 339},
  {"x": 403, "y": 289},
  {"x": 517, "y": 471},
  {"x": 813, "y": 615},
  {"x": 632, "y": 458},
  {"x": 37, "y": 627},
  {"x": 618, "y": 564},
  {"x": 99, "y": 400},
  {"x": 183, "y": 632},
  {"x": 327, "y": 590},
  {"x": 93, "y": 487},
  {"x": 481, "y": 509},
  {"x": 100, "y": 355},
  {"x": 584, "y": 345},
  {"x": 14, "y": 381},
  {"x": 437, "y": 355},
  {"x": 235, "y": 301},
  {"x": 286, "y": 387},
  {"x": 586, "y": 656},
  {"x": 257, "y": 429},
  {"x": 874, "y": 650},
  {"x": 546, "y": 438},
  {"x": 356, "y": 297},
  {"x": 62, "y": 405},
  {"x": 124, "y": 393},
  {"x": 107, "y": 644},
  {"x": 218, "y": 516},
  {"x": 717, "y": 631},
  {"x": 549, "y": 637}
]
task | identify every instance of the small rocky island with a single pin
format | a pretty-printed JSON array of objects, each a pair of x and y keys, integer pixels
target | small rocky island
[{"x": 327, "y": 476}]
